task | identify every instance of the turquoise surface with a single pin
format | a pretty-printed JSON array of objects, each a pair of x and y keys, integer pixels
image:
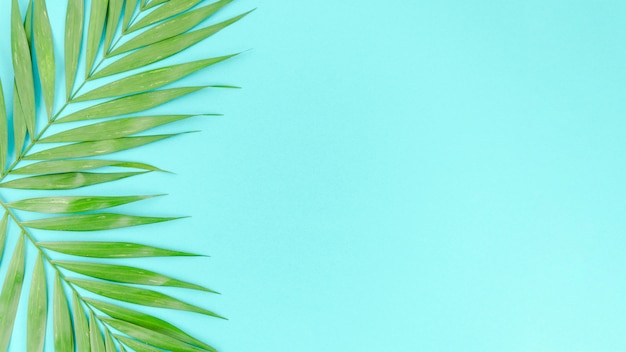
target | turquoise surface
[{"x": 432, "y": 176}]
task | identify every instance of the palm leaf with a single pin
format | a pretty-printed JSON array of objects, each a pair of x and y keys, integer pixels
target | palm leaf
[
  {"x": 10, "y": 294},
  {"x": 4, "y": 132},
  {"x": 37, "y": 308},
  {"x": 160, "y": 29},
  {"x": 62, "y": 322},
  {"x": 45, "y": 53},
  {"x": 73, "y": 35},
  {"x": 111, "y": 250}
]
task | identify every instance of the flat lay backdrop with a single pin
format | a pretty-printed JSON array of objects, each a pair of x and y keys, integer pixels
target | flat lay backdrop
[{"x": 401, "y": 175}]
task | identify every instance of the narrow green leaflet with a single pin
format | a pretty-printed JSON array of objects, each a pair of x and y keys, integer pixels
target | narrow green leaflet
[
  {"x": 129, "y": 10},
  {"x": 130, "y": 104},
  {"x": 149, "y": 80},
  {"x": 113, "y": 20},
  {"x": 62, "y": 322},
  {"x": 170, "y": 28},
  {"x": 10, "y": 296},
  {"x": 45, "y": 53},
  {"x": 163, "y": 49},
  {"x": 19, "y": 122},
  {"x": 28, "y": 22},
  {"x": 136, "y": 345},
  {"x": 69, "y": 180},
  {"x": 73, "y": 204},
  {"x": 170, "y": 9},
  {"x": 63, "y": 166},
  {"x": 97, "y": 342},
  {"x": 93, "y": 222},
  {"x": 154, "y": 3},
  {"x": 152, "y": 337},
  {"x": 111, "y": 250},
  {"x": 113, "y": 129},
  {"x": 138, "y": 296},
  {"x": 23, "y": 68},
  {"x": 3, "y": 233},
  {"x": 94, "y": 32},
  {"x": 81, "y": 325},
  {"x": 37, "y": 308},
  {"x": 147, "y": 321},
  {"x": 4, "y": 132},
  {"x": 108, "y": 342},
  {"x": 73, "y": 36},
  {"x": 126, "y": 274},
  {"x": 95, "y": 148}
]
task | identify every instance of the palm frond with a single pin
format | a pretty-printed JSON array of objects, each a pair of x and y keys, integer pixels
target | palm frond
[{"x": 101, "y": 30}]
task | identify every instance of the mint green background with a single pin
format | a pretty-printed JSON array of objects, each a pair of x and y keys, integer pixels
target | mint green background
[{"x": 401, "y": 176}]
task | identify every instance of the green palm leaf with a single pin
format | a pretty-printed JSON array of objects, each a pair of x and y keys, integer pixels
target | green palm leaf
[
  {"x": 147, "y": 321},
  {"x": 45, "y": 53},
  {"x": 64, "y": 166},
  {"x": 73, "y": 36},
  {"x": 37, "y": 308},
  {"x": 72, "y": 204},
  {"x": 3, "y": 233},
  {"x": 62, "y": 322},
  {"x": 111, "y": 250},
  {"x": 81, "y": 325},
  {"x": 97, "y": 341},
  {"x": 96, "y": 34},
  {"x": 10, "y": 294},
  {"x": 22, "y": 67}
]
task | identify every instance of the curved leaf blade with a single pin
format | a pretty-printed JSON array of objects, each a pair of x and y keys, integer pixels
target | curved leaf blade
[
  {"x": 111, "y": 250},
  {"x": 19, "y": 122},
  {"x": 81, "y": 325},
  {"x": 3, "y": 233},
  {"x": 65, "y": 166},
  {"x": 64, "y": 181},
  {"x": 37, "y": 308},
  {"x": 95, "y": 148},
  {"x": 113, "y": 21},
  {"x": 170, "y": 9},
  {"x": 45, "y": 53},
  {"x": 73, "y": 204},
  {"x": 28, "y": 22},
  {"x": 163, "y": 49},
  {"x": 23, "y": 68},
  {"x": 93, "y": 222},
  {"x": 113, "y": 129},
  {"x": 73, "y": 39},
  {"x": 149, "y": 336},
  {"x": 147, "y": 321},
  {"x": 129, "y": 10},
  {"x": 136, "y": 345},
  {"x": 126, "y": 274},
  {"x": 149, "y": 80},
  {"x": 4, "y": 131},
  {"x": 62, "y": 322},
  {"x": 94, "y": 32},
  {"x": 170, "y": 28},
  {"x": 130, "y": 104},
  {"x": 108, "y": 342},
  {"x": 139, "y": 296},
  {"x": 97, "y": 342},
  {"x": 154, "y": 3},
  {"x": 10, "y": 295}
]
